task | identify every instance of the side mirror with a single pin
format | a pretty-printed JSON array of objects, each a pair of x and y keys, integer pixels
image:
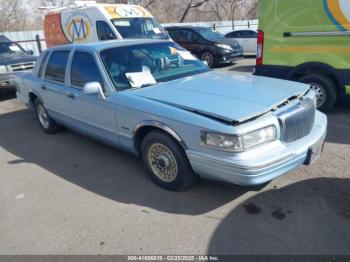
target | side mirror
[
  {"x": 30, "y": 52},
  {"x": 94, "y": 88}
]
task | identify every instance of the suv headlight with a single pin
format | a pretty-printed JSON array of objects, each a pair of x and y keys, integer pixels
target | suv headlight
[
  {"x": 3, "y": 69},
  {"x": 223, "y": 46},
  {"x": 237, "y": 143}
]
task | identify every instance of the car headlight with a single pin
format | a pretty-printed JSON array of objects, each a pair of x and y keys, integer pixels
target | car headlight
[
  {"x": 3, "y": 69},
  {"x": 223, "y": 46},
  {"x": 259, "y": 137},
  {"x": 236, "y": 143}
]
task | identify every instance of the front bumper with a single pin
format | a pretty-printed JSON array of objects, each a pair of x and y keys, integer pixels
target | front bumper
[
  {"x": 263, "y": 165},
  {"x": 7, "y": 80},
  {"x": 229, "y": 57}
]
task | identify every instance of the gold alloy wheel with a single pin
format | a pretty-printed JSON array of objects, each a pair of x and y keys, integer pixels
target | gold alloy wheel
[{"x": 162, "y": 162}]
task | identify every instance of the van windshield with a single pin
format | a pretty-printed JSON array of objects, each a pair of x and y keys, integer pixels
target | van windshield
[
  {"x": 139, "y": 27},
  {"x": 161, "y": 62}
]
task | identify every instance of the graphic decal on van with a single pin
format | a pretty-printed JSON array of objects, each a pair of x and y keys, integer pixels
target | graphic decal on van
[
  {"x": 77, "y": 27},
  {"x": 339, "y": 12},
  {"x": 127, "y": 11}
]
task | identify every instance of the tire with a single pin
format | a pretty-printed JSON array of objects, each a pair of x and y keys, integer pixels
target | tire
[
  {"x": 325, "y": 88},
  {"x": 47, "y": 124},
  {"x": 209, "y": 58},
  {"x": 166, "y": 162}
]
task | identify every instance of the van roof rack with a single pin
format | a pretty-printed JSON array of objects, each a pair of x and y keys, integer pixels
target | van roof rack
[{"x": 52, "y": 8}]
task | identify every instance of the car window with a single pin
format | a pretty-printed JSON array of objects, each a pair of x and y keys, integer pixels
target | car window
[
  {"x": 56, "y": 66},
  {"x": 249, "y": 34},
  {"x": 84, "y": 70},
  {"x": 238, "y": 34},
  {"x": 164, "y": 61},
  {"x": 231, "y": 35},
  {"x": 42, "y": 63},
  {"x": 187, "y": 35},
  {"x": 174, "y": 34},
  {"x": 104, "y": 32}
]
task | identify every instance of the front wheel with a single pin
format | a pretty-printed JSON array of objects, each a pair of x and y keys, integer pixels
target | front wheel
[
  {"x": 209, "y": 58},
  {"x": 325, "y": 88},
  {"x": 166, "y": 162},
  {"x": 47, "y": 124}
]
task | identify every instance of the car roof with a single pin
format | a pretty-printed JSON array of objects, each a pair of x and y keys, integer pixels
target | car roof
[
  {"x": 187, "y": 27},
  {"x": 98, "y": 46}
]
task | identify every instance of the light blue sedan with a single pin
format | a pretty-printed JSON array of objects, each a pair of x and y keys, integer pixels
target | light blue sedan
[{"x": 156, "y": 100}]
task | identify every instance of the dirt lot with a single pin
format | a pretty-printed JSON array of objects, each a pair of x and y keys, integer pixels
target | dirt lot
[{"x": 67, "y": 194}]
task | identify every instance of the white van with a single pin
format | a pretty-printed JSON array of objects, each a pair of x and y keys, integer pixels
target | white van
[{"x": 86, "y": 22}]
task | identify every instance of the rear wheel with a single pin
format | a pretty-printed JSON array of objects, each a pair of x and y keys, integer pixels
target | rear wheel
[
  {"x": 166, "y": 162},
  {"x": 325, "y": 88},
  {"x": 47, "y": 124}
]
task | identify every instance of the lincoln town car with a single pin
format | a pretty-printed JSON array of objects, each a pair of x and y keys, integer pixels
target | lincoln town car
[{"x": 185, "y": 121}]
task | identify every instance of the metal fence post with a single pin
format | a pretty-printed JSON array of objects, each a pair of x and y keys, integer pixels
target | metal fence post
[
  {"x": 214, "y": 26},
  {"x": 38, "y": 43}
]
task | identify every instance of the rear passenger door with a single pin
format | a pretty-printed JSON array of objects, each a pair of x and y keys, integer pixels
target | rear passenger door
[
  {"x": 52, "y": 87},
  {"x": 90, "y": 114}
]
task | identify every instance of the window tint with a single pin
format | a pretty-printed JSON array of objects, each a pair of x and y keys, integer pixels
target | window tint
[
  {"x": 174, "y": 34},
  {"x": 104, "y": 32},
  {"x": 233, "y": 34},
  {"x": 42, "y": 63},
  {"x": 249, "y": 34},
  {"x": 84, "y": 70},
  {"x": 56, "y": 66}
]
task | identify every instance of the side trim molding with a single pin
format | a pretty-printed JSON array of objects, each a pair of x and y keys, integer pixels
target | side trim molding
[
  {"x": 157, "y": 124},
  {"x": 306, "y": 34}
]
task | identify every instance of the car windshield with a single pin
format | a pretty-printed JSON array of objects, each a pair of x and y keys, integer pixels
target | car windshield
[
  {"x": 149, "y": 63},
  {"x": 139, "y": 28},
  {"x": 210, "y": 34},
  {"x": 10, "y": 49}
]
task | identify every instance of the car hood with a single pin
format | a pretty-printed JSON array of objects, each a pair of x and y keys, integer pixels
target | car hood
[
  {"x": 18, "y": 59},
  {"x": 231, "y": 97}
]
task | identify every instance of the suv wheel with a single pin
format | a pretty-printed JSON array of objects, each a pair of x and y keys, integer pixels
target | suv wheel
[
  {"x": 166, "y": 162},
  {"x": 325, "y": 88},
  {"x": 47, "y": 124}
]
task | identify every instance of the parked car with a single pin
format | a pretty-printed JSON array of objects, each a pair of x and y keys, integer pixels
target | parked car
[
  {"x": 308, "y": 42},
  {"x": 207, "y": 44},
  {"x": 87, "y": 22},
  {"x": 246, "y": 38},
  {"x": 158, "y": 101},
  {"x": 13, "y": 58}
]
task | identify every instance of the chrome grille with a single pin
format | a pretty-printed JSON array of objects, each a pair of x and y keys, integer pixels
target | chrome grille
[
  {"x": 22, "y": 66},
  {"x": 298, "y": 121}
]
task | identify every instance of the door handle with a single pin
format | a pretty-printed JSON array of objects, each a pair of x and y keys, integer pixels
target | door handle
[
  {"x": 71, "y": 96},
  {"x": 43, "y": 87}
]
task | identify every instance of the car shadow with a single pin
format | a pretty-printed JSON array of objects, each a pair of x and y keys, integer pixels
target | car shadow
[
  {"x": 7, "y": 93},
  {"x": 104, "y": 170},
  {"x": 339, "y": 123},
  {"x": 311, "y": 217},
  {"x": 243, "y": 68}
]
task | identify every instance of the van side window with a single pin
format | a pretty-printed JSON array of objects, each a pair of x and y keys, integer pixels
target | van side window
[
  {"x": 84, "y": 70},
  {"x": 104, "y": 31},
  {"x": 56, "y": 67}
]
